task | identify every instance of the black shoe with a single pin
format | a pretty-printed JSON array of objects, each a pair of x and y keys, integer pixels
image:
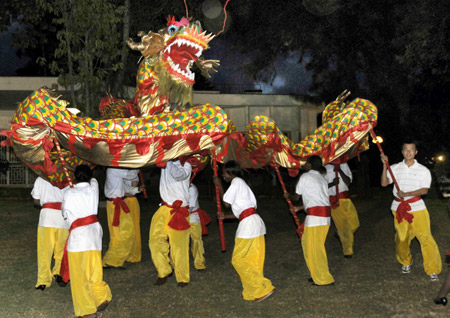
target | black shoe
[
  {"x": 42, "y": 287},
  {"x": 181, "y": 284},
  {"x": 348, "y": 256},
  {"x": 310, "y": 280},
  {"x": 103, "y": 306},
  {"x": 59, "y": 280},
  {"x": 441, "y": 301},
  {"x": 162, "y": 280},
  {"x": 116, "y": 267}
]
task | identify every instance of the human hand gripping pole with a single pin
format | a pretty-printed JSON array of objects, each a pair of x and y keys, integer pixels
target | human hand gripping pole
[
  {"x": 141, "y": 179},
  {"x": 404, "y": 207},
  {"x": 219, "y": 206},
  {"x": 374, "y": 137}
]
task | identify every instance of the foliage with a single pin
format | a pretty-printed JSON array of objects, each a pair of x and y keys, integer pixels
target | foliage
[{"x": 393, "y": 53}]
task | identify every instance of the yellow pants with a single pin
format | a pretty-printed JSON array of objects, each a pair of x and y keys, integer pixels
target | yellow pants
[
  {"x": 50, "y": 242},
  {"x": 248, "y": 261},
  {"x": 313, "y": 244},
  {"x": 135, "y": 210},
  {"x": 86, "y": 282},
  {"x": 420, "y": 229},
  {"x": 198, "y": 252},
  {"x": 163, "y": 240},
  {"x": 346, "y": 220},
  {"x": 121, "y": 238}
]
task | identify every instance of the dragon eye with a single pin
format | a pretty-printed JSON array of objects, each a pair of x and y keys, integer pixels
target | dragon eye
[{"x": 172, "y": 29}]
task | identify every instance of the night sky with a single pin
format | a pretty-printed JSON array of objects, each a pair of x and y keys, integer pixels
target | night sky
[{"x": 291, "y": 76}]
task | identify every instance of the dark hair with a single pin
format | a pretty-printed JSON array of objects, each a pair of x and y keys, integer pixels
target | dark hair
[
  {"x": 409, "y": 141},
  {"x": 233, "y": 168},
  {"x": 315, "y": 162},
  {"x": 83, "y": 173}
]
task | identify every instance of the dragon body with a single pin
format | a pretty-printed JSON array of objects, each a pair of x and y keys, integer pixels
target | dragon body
[{"x": 160, "y": 124}]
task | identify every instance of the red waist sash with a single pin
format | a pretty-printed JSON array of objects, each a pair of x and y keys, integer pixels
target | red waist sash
[
  {"x": 52, "y": 205},
  {"x": 204, "y": 220},
  {"x": 64, "y": 271},
  {"x": 404, "y": 208},
  {"x": 246, "y": 213},
  {"x": 180, "y": 213},
  {"x": 334, "y": 199},
  {"x": 324, "y": 211},
  {"x": 119, "y": 203}
]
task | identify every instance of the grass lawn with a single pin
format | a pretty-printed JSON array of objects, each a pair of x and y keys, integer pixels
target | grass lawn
[{"x": 368, "y": 285}]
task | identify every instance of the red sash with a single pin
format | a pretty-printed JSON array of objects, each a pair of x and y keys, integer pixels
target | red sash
[
  {"x": 246, "y": 213},
  {"x": 324, "y": 211},
  {"x": 404, "y": 208},
  {"x": 180, "y": 213},
  {"x": 64, "y": 271},
  {"x": 118, "y": 204},
  {"x": 52, "y": 205},
  {"x": 204, "y": 220},
  {"x": 334, "y": 199}
]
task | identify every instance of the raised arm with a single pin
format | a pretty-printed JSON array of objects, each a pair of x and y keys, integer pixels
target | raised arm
[{"x": 384, "y": 178}]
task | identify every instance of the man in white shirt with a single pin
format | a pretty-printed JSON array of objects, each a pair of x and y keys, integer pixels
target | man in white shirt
[
  {"x": 343, "y": 212},
  {"x": 90, "y": 293},
  {"x": 169, "y": 229},
  {"x": 411, "y": 218},
  {"x": 121, "y": 223},
  {"x": 52, "y": 232},
  {"x": 313, "y": 189}
]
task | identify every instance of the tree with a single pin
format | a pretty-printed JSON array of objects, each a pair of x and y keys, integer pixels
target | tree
[{"x": 393, "y": 53}]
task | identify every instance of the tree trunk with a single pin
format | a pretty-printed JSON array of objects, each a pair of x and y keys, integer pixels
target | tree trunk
[{"x": 118, "y": 83}]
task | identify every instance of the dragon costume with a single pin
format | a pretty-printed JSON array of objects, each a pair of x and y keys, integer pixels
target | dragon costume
[{"x": 161, "y": 124}]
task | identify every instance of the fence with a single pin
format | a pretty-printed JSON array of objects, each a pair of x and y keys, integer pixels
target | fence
[{"x": 13, "y": 172}]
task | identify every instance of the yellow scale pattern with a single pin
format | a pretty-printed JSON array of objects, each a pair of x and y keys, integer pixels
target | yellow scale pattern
[
  {"x": 337, "y": 122},
  {"x": 44, "y": 108}
]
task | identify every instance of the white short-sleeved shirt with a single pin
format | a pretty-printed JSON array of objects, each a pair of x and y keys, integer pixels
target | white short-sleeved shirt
[
  {"x": 174, "y": 182},
  {"x": 193, "y": 203},
  {"x": 331, "y": 174},
  {"x": 410, "y": 179},
  {"x": 45, "y": 192},
  {"x": 240, "y": 197},
  {"x": 313, "y": 187},
  {"x": 79, "y": 202},
  {"x": 115, "y": 181}
]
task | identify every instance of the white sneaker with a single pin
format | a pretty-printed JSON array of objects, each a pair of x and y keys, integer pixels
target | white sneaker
[
  {"x": 406, "y": 269},
  {"x": 434, "y": 277}
]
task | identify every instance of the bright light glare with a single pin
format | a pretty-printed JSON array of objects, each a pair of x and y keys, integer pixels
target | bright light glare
[
  {"x": 378, "y": 140},
  {"x": 440, "y": 158}
]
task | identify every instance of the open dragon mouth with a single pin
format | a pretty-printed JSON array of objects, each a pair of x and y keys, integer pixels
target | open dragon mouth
[{"x": 180, "y": 55}]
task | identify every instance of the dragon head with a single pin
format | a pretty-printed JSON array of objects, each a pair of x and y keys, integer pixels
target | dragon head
[{"x": 177, "y": 47}]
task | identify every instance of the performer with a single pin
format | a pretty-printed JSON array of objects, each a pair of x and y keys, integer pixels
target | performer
[
  {"x": 121, "y": 223},
  {"x": 313, "y": 189},
  {"x": 131, "y": 189},
  {"x": 52, "y": 232},
  {"x": 198, "y": 220},
  {"x": 84, "y": 245},
  {"x": 414, "y": 181},
  {"x": 343, "y": 212},
  {"x": 169, "y": 229},
  {"x": 249, "y": 248}
]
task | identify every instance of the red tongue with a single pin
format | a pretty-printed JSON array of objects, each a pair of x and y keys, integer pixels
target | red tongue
[{"x": 182, "y": 58}]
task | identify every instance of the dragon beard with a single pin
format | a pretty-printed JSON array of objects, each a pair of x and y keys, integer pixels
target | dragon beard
[{"x": 178, "y": 93}]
